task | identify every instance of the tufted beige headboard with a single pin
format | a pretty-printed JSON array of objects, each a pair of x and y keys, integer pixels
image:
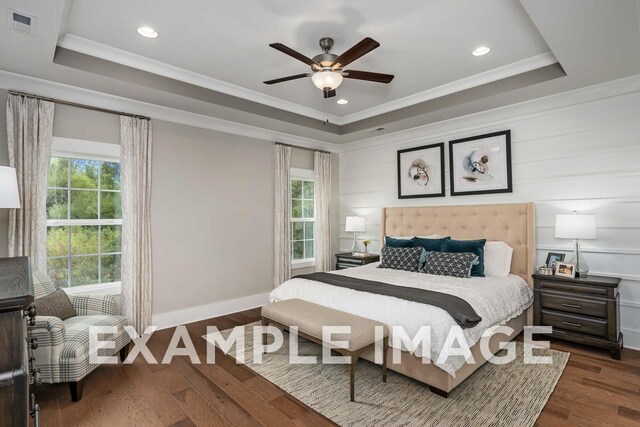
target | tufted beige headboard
[{"x": 513, "y": 224}]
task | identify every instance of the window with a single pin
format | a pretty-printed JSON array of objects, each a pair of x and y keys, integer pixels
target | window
[
  {"x": 84, "y": 221},
  {"x": 302, "y": 218}
]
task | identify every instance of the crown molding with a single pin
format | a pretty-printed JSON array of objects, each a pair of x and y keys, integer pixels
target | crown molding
[
  {"x": 500, "y": 116},
  {"x": 489, "y": 76},
  {"x": 46, "y": 88},
  {"x": 89, "y": 47}
]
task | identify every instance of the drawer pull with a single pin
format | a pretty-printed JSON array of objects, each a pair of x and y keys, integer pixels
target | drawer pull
[
  {"x": 577, "y": 325},
  {"x": 573, "y": 306}
]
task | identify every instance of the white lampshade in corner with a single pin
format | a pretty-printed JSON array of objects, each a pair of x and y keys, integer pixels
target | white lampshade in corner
[
  {"x": 576, "y": 226},
  {"x": 9, "y": 197},
  {"x": 355, "y": 224}
]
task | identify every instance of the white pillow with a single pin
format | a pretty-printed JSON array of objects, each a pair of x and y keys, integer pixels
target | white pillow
[{"x": 497, "y": 259}]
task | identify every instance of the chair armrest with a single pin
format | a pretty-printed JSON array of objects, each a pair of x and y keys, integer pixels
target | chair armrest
[
  {"x": 49, "y": 331},
  {"x": 87, "y": 305}
]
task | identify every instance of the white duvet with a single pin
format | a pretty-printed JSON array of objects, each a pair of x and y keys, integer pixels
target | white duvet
[{"x": 496, "y": 299}]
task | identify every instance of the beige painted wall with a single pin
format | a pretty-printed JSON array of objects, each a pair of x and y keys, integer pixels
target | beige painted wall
[{"x": 211, "y": 209}]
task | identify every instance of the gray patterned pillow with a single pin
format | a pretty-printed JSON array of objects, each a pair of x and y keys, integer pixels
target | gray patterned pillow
[
  {"x": 55, "y": 304},
  {"x": 450, "y": 264},
  {"x": 407, "y": 259}
]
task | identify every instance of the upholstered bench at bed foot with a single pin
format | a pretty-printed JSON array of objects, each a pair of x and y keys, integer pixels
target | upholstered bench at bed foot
[{"x": 310, "y": 318}]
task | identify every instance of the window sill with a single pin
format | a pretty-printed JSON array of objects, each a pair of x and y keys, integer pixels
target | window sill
[
  {"x": 303, "y": 264},
  {"x": 104, "y": 288}
]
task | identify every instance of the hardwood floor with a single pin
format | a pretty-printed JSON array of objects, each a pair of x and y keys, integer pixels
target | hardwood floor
[{"x": 594, "y": 390}]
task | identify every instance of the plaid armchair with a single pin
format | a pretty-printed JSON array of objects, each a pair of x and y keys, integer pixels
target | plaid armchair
[{"x": 62, "y": 354}]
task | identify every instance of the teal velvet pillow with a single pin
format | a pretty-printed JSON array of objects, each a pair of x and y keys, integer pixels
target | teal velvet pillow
[
  {"x": 471, "y": 246},
  {"x": 399, "y": 243},
  {"x": 431, "y": 245}
]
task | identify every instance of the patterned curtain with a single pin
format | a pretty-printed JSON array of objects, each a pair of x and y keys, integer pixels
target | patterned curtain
[
  {"x": 29, "y": 134},
  {"x": 322, "y": 191},
  {"x": 136, "y": 145},
  {"x": 282, "y": 230}
]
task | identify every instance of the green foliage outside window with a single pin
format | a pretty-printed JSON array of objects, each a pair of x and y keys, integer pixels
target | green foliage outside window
[
  {"x": 81, "y": 249},
  {"x": 302, "y": 219}
]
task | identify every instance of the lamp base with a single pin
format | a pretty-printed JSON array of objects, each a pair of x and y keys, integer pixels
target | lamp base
[
  {"x": 582, "y": 268},
  {"x": 355, "y": 247}
]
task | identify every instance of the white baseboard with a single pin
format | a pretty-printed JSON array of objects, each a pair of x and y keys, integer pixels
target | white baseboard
[
  {"x": 631, "y": 338},
  {"x": 202, "y": 312}
]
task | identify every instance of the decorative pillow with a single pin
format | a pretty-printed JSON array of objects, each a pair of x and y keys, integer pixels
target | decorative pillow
[
  {"x": 454, "y": 264},
  {"x": 431, "y": 244},
  {"x": 407, "y": 259},
  {"x": 399, "y": 242},
  {"x": 497, "y": 259},
  {"x": 473, "y": 246},
  {"x": 56, "y": 304}
]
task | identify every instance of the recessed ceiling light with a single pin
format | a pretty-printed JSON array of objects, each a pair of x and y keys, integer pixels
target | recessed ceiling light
[
  {"x": 342, "y": 101},
  {"x": 147, "y": 32},
  {"x": 480, "y": 51}
]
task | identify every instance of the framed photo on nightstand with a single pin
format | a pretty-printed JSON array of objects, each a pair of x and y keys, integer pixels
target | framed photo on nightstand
[
  {"x": 564, "y": 269},
  {"x": 553, "y": 257}
]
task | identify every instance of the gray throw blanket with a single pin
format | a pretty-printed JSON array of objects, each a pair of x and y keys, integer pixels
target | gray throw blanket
[{"x": 459, "y": 309}]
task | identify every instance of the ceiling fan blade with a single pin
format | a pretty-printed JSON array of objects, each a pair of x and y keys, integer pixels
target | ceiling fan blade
[
  {"x": 285, "y": 79},
  {"x": 297, "y": 55},
  {"x": 369, "y": 76},
  {"x": 329, "y": 93},
  {"x": 357, "y": 51}
]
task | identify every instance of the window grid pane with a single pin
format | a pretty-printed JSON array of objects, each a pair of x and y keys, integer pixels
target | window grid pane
[{"x": 76, "y": 254}]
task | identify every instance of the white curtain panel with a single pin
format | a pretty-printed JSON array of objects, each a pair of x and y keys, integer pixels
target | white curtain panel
[
  {"x": 136, "y": 147},
  {"x": 322, "y": 191},
  {"x": 29, "y": 134},
  {"x": 282, "y": 230}
]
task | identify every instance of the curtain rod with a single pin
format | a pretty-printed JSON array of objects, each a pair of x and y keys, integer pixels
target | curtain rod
[
  {"x": 75, "y": 104},
  {"x": 303, "y": 148}
]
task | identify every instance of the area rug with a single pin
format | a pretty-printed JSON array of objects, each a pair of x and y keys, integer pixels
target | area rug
[{"x": 495, "y": 395}]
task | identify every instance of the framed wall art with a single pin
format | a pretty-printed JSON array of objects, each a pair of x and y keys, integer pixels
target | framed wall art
[
  {"x": 481, "y": 164},
  {"x": 421, "y": 171}
]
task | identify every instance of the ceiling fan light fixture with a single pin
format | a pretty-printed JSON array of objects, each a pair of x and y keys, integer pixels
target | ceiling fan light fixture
[{"x": 327, "y": 79}]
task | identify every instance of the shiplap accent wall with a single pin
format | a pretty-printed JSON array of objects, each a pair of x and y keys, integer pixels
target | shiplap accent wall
[{"x": 574, "y": 151}]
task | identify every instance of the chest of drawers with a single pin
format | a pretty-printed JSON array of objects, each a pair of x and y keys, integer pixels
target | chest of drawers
[{"x": 583, "y": 310}]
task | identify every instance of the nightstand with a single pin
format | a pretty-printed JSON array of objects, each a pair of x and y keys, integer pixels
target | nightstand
[
  {"x": 585, "y": 310},
  {"x": 347, "y": 260}
]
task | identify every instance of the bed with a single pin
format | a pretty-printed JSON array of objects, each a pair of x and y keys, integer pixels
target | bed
[{"x": 511, "y": 296}]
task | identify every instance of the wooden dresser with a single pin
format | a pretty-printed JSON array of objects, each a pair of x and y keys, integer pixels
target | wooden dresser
[
  {"x": 348, "y": 260},
  {"x": 16, "y": 295},
  {"x": 585, "y": 310}
]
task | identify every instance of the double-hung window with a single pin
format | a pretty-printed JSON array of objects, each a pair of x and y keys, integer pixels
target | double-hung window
[
  {"x": 302, "y": 210},
  {"x": 84, "y": 219}
]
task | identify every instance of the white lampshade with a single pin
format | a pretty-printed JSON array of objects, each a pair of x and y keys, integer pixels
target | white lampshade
[
  {"x": 324, "y": 79},
  {"x": 9, "y": 197},
  {"x": 576, "y": 227},
  {"x": 355, "y": 224}
]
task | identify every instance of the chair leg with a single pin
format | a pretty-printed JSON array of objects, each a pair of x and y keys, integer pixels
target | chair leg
[
  {"x": 124, "y": 352},
  {"x": 76, "y": 391}
]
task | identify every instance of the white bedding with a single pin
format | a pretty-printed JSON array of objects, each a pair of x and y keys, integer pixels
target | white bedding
[{"x": 496, "y": 299}]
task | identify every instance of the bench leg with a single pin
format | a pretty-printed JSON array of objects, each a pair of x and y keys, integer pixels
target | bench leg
[
  {"x": 352, "y": 378},
  {"x": 385, "y": 349},
  {"x": 265, "y": 322}
]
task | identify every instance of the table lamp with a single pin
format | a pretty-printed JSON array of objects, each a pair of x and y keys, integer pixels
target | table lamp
[
  {"x": 355, "y": 225},
  {"x": 577, "y": 227},
  {"x": 9, "y": 197}
]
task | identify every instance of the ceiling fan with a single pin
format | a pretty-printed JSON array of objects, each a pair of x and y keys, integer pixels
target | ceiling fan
[{"x": 327, "y": 68}]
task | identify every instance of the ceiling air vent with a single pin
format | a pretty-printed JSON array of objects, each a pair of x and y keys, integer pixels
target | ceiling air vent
[{"x": 21, "y": 22}]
